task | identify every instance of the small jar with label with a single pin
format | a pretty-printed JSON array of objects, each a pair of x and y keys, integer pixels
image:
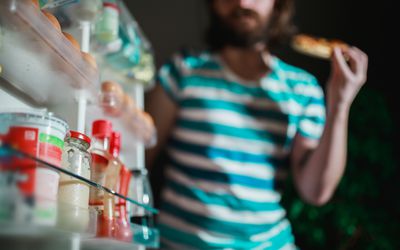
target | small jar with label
[{"x": 73, "y": 194}]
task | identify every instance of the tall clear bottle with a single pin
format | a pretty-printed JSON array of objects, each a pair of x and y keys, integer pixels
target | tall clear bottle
[
  {"x": 106, "y": 223},
  {"x": 101, "y": 132},
  {"x": 144, "y": 231}
]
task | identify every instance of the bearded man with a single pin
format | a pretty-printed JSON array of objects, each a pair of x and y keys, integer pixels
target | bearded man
[{"x": 235, "y": 120}]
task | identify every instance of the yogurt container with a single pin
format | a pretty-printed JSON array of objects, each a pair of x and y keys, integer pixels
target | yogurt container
[{"x": 40, "y": 135}]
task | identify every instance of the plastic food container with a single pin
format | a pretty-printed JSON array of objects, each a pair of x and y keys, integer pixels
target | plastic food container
[
  {"x": 40, "y": 135},
  {"x": 37, "y": 59}
]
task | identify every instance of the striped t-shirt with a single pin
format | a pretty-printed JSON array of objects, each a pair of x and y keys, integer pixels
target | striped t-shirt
[{"x": 229, "y": 151}]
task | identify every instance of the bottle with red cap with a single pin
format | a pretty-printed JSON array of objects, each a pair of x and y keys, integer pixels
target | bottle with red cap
[
  {"x": 123, "y": 228},
  {"x": 73, "y": 194},
  {"x": 101, "y": 133},
  {"x": 106, "y": 226}
]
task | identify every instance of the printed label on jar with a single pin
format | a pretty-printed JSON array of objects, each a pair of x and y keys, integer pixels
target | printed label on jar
[
  {"x": 25, "y": 140},
  {"x": 50, "y": 149}
]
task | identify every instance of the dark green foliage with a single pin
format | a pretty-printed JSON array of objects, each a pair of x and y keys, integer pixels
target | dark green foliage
[{"x": 365, "y": 210}]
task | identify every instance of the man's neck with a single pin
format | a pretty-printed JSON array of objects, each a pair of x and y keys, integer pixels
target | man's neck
[{"x": 249, "y": 64}]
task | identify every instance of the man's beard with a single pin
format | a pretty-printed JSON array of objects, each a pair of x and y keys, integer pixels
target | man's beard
[{"x": 221, "y": 33}]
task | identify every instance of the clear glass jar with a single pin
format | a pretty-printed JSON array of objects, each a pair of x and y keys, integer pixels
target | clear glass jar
[
  {"x": 140, "y": 191},
  {"x": 73, "y": 194}
]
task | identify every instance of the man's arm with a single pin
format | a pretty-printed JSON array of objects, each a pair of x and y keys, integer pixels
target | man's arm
[
  {"x": 319, "y": 165},
  {"x": 163, "y": 110}
]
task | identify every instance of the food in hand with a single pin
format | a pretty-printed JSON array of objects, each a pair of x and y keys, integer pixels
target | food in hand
[{"x": 317, "y": 46}]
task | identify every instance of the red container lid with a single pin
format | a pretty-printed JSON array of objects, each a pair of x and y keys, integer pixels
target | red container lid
[
  {"x": 115, "y": 143},
  {"x": 111, "y": 5},
  {"x": 101, "y": 128},
  {"x": 80, "y": 136},
  {"x": 99, "y": 159}
]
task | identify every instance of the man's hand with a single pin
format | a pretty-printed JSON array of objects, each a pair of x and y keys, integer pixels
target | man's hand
[
  {"x": 319, "y": 166},
  {"x": 346, "y": 79}
]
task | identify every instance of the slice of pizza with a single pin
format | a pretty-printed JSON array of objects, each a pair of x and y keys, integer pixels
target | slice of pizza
[{"x": 316, "y": 46}]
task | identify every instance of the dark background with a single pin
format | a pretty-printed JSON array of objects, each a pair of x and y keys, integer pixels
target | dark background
[
  {"x": 370, "y": 25},
  {"x": 364, "y": 213}
]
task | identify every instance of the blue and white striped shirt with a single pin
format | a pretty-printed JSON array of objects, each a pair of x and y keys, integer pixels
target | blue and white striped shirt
[{"x": 228, "y": 151}]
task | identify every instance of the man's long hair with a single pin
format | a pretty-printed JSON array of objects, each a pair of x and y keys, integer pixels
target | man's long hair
[{"x": 280, "y": 26}]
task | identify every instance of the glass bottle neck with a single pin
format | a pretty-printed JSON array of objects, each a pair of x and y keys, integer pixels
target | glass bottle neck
[
  {"x": 102, "y": 143},
  {"x": 77, "y": 143},
  {"x": 115, "y": 153}
]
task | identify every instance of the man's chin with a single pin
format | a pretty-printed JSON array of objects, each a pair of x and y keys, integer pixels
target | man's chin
[
  {"x": 247, "y": 26},
  {"x": 244, "y": 42},
  {"x": 237, "y": 34}
]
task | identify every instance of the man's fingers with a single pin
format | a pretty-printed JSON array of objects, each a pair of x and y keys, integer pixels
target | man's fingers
[
  {"x": 354, "y": 61},
  {"x": 358, "y": 63},
  {"x": 364, "y": 59},
  {"x": 339, "y": 62}
]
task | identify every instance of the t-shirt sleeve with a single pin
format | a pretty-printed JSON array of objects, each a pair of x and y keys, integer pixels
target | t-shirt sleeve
[
  {"x": 312, "y": 120},
  {"x": 170, "y": 77}
]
